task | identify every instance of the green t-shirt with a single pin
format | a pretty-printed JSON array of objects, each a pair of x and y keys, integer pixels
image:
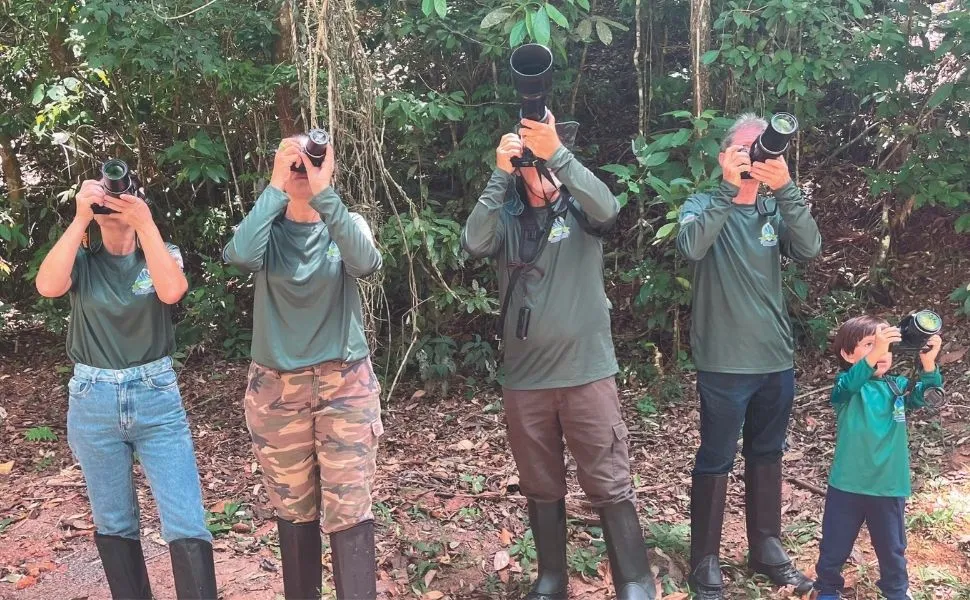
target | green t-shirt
[
  {"x": 307, "y": 307},
  {"x": 117, "y": 320},
  {"x": 569, "y": 341},
  {"x": 739, "y": 321},
  {"x": 871, "y": 444}
]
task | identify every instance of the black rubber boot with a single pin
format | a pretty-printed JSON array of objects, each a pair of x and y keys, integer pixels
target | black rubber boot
[
  {"x": 194, "y": 571},
  {"x": 354, "y": 562},
  {"x": 124, "y": 567},
  {"x": 766, "y": 554},
  {"x": 632, "y": 577},
  {"x": 707, "y": 497},
  {"x": 548, "y": 523},
  {"x": 301, "y": 556}
]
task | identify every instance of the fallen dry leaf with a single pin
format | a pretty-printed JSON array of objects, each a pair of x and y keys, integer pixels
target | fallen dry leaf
[
  {"x": 505, "y": 537},
  {"x": 953, "y": 356},
  {"x": 218, "y": 507},
  {"x": 501, "y": 560},
  {"x": 429, "y": 577},
  {"x": 676, "y": 596},
  {"x": 418, "y": 395},
  {"x": 435, "y": 595},
  {"x": 464, "y": 445},
  {"x": 26, "y": 582},
  {"x": 242, "y": 527},
  {"x": 6, "y": 467}
]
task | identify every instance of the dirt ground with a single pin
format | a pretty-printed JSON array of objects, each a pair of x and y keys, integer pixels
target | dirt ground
[{"x": 450, "y": 521}]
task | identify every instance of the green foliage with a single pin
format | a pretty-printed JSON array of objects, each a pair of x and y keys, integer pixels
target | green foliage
[
  {"x": 40, "y": 434},
  {"x": 586, "y": 561},
  {"x": 671, "y": 538},
  {"x": 220, "y": 523},
  {"x": 524, "y": 550},
  {"x": 476, "y": 483},
  {"x": 961, "y": 296}
]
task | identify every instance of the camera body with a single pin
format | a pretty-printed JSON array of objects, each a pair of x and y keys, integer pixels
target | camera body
[
  {"x": 773, "y": 141},
  {"x": 916, "y": 330},
  {"x": 313, "y": 145},
  {"x": 117, "y": 179}
]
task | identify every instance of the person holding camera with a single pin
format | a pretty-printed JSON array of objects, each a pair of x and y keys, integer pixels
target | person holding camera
[
  {"x": 870, "y": 478},
  {"x": 742, "y": 346},
  {"x": 542, "y": 221},
  {"x": 313, "y": 402},
  {"x": 124, "y": 398}
]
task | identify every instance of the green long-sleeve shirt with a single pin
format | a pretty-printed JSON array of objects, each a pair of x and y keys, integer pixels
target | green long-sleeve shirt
[
  {"x": 569, "y": 341},
  {"x": 871, "y": 444},
  {"x": 739, "y": 321},
  {"x": 307, "y": 307}
]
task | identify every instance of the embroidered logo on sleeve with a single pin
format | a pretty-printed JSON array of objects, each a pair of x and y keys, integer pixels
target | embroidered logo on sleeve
[
  {"x": 768, "y": 235},
  {"x": 559, "y": 230},
  {"x": 333, "y": 252}
]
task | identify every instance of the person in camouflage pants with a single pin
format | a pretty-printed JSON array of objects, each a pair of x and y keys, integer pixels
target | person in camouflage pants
[
  {"x": 313, "y": 402},
  {"x": 323, "y": 419}
]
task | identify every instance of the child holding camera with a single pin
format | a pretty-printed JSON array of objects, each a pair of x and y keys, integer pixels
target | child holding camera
[{"x": 869, "y": 481}]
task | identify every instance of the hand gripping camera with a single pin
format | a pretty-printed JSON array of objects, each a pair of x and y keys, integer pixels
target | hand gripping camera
[
  {"x": 117, "y": 179},
  {"x": 773, "y": 142},
  {"x": 916, "y": 330},
  {"x": 313, "y": 144}
]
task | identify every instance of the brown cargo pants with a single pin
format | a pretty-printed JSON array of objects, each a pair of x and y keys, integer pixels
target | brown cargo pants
[{"x": 589, "y": 418}]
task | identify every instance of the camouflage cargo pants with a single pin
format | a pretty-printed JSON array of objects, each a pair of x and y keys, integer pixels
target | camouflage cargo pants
[{"x": 315, "y": 436}]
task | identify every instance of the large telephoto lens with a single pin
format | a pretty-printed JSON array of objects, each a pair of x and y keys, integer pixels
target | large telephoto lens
[{"x": 532, "y": 77}]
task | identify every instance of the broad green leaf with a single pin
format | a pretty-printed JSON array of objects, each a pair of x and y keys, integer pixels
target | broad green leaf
[
  {"x": 441, "y": 7},
  {"x": 665, "y": 230},
  {"x": 38, "y": 94},
  {"x": 496, "y": 17},
  {"x": 557, "y": 16},
  {"x": 604, "y": 33},
  {"x": 427, "y": 6},
  {"x": 656, "y": 159},
  {"x": 517, "y": 34},
  {"x": 710, "y": 56},
  {"x": 940, "y": 95},
  {"x": 584, "y": 4},
  {"x": 585, "y": 29},
  {"x": 541, "y": 27}
]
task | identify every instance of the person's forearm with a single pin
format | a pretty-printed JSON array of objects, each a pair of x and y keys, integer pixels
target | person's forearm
[
  {"x": 54, "y": 276},
  {"x": 166, "y": 273}
]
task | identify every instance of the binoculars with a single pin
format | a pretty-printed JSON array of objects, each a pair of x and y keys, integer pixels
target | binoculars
[
  {"x": 916, "y": 330},
  {"x": 117, "y": 179},
  {"x": 313, "y": 145},
  {"x": 773, "y": 142},
  {"x": 531, "y": 66}
]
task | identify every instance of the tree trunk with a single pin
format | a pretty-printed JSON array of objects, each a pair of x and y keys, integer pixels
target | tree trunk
[
  {"x": 12, "y": 176},
  {"x": 700, "y": 33},
  {"x": 284, "y": 51}
]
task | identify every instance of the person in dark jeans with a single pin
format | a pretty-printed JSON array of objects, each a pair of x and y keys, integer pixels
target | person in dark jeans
[
  {"x": 870, "y": 480},
  {"x": 742, "y": 345}
]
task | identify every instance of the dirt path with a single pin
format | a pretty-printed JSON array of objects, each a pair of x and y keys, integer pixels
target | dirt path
[{"x": 446, "y": 504}]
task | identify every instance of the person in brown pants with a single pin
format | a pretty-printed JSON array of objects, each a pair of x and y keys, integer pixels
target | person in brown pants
[{"x": 559, "y": 358}]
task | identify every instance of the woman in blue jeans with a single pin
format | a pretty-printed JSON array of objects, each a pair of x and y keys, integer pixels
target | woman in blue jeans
[{"x": 124, "y": 397}]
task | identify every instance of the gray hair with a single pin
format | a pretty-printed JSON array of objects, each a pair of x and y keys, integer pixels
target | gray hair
[{"x": 743, "y": 122}]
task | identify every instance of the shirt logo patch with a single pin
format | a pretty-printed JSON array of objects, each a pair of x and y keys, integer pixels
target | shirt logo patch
[
  {"x": 333, "y": 252},
  {"x": 559, "y": 230},
  {"x": 143, "y": 283},
  {"x": 899, "y": 410},
  {"x": 768, "y": 235}
]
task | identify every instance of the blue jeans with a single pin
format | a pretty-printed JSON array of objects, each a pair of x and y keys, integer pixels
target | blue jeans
[
  {"x": 757, "y": 406},
  {"x": 884, "y": 516},
  {"x": 114, "y": 414}
]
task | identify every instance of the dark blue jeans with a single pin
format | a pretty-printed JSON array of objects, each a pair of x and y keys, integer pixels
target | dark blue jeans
[
  {"x": 757, "y": 406},
  {"x": 885, "y": 518}
]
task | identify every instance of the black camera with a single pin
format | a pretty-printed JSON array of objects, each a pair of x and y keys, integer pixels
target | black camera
[
  {"x": 531, "y": 66},
  {"x": 916, "y": 330},
  {"x": 117, "y": 179},
  {"x": 313, "y": 144},
  {"x": 773, "y": 141}
]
